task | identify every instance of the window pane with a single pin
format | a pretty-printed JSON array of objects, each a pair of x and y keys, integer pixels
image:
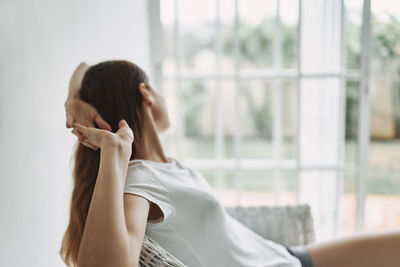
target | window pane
[
  {"x": 197, "y": 33},
  {"x": 210, "y": 177},
  {"x": 254, "y": 115},
  {"x": 227, "y": 12},
  {"x": 348, "y": 204},
  {"x": 289, "y": 119},
  {"x": 228, "y": 188},
  {"x": 167, "y": 14},
  {"x": 352, "y": 33},
  {"x": 383, "y": 185},
  {"x": 255, "y": 118},
  {"x": 352, "y": 115},
  {"x": 257, "y": 26},
  {"x": 258, "y": 188},
  {"x": 170, "y": 94},
  {"x": 223, "y": 184},
  {"x": 256, "y": 103},
  {"x": 229, "y": 112},
  {"x": 198, "y": 100},
  {"x": 289, "y": 21}
]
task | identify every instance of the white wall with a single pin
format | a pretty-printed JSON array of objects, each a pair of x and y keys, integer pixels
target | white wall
[{"x": 40, "y": 45}]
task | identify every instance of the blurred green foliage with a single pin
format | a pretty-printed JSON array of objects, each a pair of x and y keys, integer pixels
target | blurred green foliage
[
  {"x": 385, "y": 48},
  {"x": 256, "y": 51},
  {"x": 193, "y": 96}
]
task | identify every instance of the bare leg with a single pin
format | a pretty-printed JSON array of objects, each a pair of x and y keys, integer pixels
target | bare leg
[{"x": 367, "y": 250}]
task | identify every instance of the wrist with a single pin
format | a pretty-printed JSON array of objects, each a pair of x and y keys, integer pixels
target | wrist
[
  {"x": 118, "y": 159},
  {"x": 121, "y": 151},
  {"x": 71, "y": 96}
]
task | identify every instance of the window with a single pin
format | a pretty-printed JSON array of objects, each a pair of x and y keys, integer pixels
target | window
[
  {"x": 383, "y": 179},
  {"x": 270, "y": 101}
]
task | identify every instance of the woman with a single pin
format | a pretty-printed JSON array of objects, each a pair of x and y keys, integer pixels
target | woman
[{"x": 130, "y": 186}]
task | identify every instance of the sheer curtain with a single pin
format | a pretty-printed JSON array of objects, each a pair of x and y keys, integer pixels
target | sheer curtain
[{"x": 321, "y": 107}]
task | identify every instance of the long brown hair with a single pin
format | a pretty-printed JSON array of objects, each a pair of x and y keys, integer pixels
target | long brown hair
[{"x": 112, "y": 88}]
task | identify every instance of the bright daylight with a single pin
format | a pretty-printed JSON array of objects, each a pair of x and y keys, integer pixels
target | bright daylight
[
  {"x": 287, "y": 105},
  {"x": 211, "y": 133}
]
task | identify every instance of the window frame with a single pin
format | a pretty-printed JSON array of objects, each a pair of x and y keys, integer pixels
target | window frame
[{"x": 219, "y": 163}]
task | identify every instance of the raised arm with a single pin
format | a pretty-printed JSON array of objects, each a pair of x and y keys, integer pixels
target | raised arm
[
  {"x": 106, "y": 240},
  {"x": 76, "y": 80},
  {"x": 77, "y": 110}
]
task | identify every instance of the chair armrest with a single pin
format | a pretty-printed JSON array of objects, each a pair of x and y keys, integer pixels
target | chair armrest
[{"x": 153, "y": 255}]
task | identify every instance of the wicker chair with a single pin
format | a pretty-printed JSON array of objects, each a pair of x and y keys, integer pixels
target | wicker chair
[{"x": 287, "y": 225}]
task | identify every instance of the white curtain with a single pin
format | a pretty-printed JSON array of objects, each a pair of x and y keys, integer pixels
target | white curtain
[{"x": 321, "y": 129}]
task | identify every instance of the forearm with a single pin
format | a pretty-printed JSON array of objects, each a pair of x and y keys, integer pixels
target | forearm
[
  {"x": 105, "y": 240},
  {"x": 76, "y": 80}
]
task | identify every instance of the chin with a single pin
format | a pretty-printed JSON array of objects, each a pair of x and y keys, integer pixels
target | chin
[
  {"x": 163, "y": 128},
  {"x": 166, "y": 127}
]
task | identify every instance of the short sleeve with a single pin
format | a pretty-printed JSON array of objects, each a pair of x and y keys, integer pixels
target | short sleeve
[{"x": 140, "y": 180}]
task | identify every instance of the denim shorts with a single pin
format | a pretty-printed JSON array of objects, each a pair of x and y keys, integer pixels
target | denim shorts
[{"x": 302, "y": 254}]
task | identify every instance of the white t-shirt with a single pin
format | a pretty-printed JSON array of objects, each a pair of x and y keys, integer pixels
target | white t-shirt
[{"x": 196, "y": 228}]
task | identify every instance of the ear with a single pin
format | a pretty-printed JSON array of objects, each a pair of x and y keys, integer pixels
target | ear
[{"x": 148, "y": 97}]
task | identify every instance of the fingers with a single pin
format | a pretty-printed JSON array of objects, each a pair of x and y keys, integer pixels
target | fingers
[
  {"x": 80, "y": 137},
  {"x": 124, "y": 127},
  {"x": 90, "y": 134},
  {"x": 122, "y": 123},
  {"x": 81, "y": 129},
  {"x": 102, "y": 123},
  {"x": 86, "y": 143},
  {"x": 83, "y": 132},
  {"x": 82, "y": 140}
]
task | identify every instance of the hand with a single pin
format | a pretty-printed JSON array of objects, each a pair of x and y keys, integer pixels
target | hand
[
  {"x": 95, "y": 138},
  {"x": 85, "y": 114}
]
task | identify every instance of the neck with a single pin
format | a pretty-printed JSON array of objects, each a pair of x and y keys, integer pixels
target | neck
[{"x": 150, "y": 147}]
